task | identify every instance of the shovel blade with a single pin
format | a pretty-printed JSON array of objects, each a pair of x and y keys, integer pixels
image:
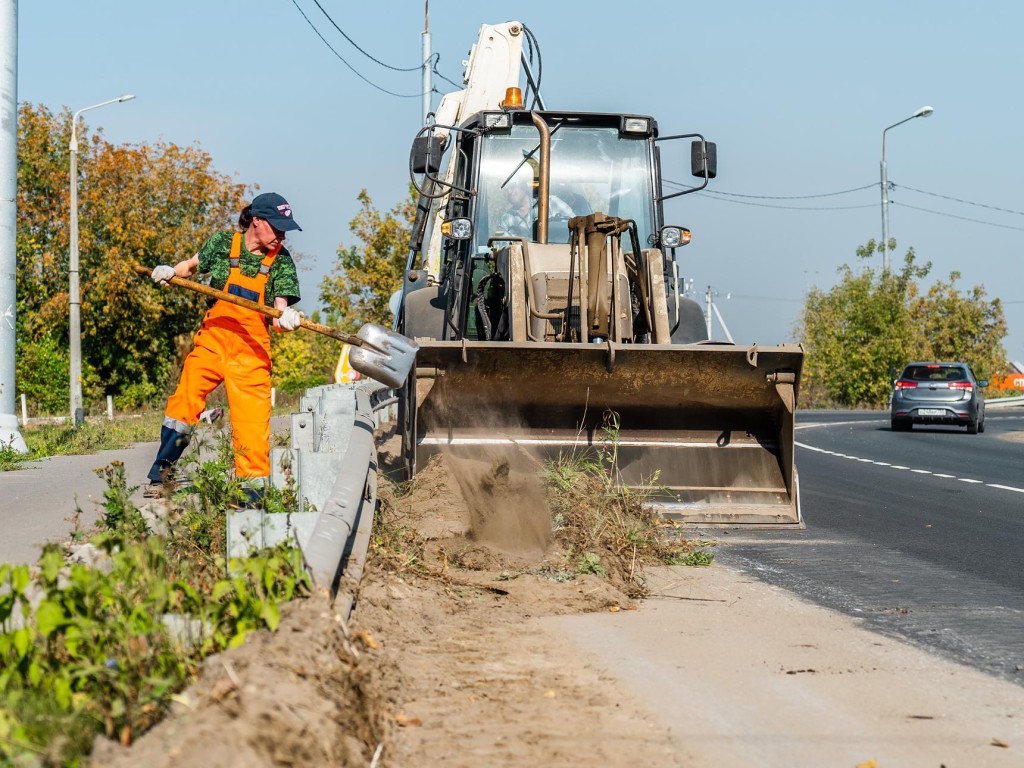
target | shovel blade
[{"x": 388, "y": 359}]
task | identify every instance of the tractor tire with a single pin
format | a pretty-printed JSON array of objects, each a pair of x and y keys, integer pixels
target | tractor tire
[{"x": 407, "y": 426}]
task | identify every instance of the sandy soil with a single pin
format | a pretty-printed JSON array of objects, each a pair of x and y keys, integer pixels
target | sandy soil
[{"x": 487, "y": 662}]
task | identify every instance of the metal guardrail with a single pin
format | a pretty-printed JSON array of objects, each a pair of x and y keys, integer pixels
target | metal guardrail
[
  {"x": 332, "y": 464},
  {"x": 1004, "y": 402}
]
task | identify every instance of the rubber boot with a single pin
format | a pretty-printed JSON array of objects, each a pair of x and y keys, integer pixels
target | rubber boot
[{"x": 172, "y": 445}]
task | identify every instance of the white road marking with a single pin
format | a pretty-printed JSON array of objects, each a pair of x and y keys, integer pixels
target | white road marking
[
  {"x": 901, "y": 467},
  {"x": 1005, "y": 487}
]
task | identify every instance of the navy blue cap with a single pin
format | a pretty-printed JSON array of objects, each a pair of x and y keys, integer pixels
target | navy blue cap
[{"x": 275, "y": 210}]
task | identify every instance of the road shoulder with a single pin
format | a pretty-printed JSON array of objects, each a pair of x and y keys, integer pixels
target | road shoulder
[{"x": 744, "y": 674}]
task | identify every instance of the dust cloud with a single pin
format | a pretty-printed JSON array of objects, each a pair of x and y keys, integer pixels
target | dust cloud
[{"x": 502, "y": 489}]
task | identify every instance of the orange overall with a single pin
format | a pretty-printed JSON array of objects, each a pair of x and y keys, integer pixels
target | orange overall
[{"x": 231, "y": 346}]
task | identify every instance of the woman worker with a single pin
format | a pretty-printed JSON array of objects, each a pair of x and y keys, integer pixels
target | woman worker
[{"x": 233, "y": 344}]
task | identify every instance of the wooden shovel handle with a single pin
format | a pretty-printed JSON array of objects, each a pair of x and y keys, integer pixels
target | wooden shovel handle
[{"x": 206, "y": 290}]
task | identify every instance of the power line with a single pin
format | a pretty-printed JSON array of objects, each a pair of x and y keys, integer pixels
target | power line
[
  {"x": 724, "y": 197},
  {"x": 356, "y": 45},
  {"x": 772, "y": 197},
  {"x": 953, "y": 216},
  {"x": 354, "y": 70},
  {"x": 437, "y": 58},
  {"x": 790, "y": 197},
  {"x": 796, "y": 207},
  {"x": 958, "y": 200}
]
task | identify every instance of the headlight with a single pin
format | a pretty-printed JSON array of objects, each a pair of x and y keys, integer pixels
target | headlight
[
  {"x": 457, "y": 229},
  {"x": 497, "y": 120},
  {"x": 636, "y": 125},
  {"x": 674, "y": 237}
]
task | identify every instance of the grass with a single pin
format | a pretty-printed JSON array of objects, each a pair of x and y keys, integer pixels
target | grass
[
  {"x": 395, "y": 547},
  {"x": 46, "y": 440},
  {"x": 608, "y": 529}
]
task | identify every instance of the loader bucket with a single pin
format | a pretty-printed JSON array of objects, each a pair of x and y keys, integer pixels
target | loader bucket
[{"x": 706, "y": 429}]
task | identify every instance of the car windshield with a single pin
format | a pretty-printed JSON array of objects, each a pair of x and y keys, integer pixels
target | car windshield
[{"x": 934, "y": 373}]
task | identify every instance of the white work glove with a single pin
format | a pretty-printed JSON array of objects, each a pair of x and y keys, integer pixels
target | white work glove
[
  {"x": 289, "y": 319},
  {"x": 162, "y": 273}
]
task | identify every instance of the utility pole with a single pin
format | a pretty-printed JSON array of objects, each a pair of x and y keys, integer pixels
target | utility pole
[
  {"x": 9, "y": 435},
  {"x": 428, "y": 84},
  {"x": 709, "y": 300}
]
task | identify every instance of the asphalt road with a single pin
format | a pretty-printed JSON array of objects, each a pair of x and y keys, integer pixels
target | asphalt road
[{"x": 919, "y": 534}]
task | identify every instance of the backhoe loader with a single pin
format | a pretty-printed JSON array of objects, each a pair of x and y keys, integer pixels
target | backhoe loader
[{"x": 543, "y": 287}]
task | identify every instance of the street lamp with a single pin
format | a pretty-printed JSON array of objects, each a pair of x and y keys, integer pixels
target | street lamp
[
  {"x": 922, "y": 112},
  {"x": 74, "y": 297}
]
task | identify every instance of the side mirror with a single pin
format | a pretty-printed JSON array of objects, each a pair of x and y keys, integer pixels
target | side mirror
[
  {"x": 426, "y": 155},
  {"x": 703, "y": 155},
  {"x": 983, "y": 383}
]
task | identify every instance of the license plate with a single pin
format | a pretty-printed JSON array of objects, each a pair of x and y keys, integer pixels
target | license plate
[{"x": 931, "y": 412}]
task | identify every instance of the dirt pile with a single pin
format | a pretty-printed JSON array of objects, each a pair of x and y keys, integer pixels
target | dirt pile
[{"x": 313, "y": 693}]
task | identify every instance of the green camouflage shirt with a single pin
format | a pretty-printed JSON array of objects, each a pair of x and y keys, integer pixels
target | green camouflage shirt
[{"x": 283, "y": 279}]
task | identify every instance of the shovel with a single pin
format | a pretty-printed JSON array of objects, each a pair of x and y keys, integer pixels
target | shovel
[{"x": 379, "y": 352}]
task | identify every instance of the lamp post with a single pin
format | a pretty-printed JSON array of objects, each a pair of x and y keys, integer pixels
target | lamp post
[
  {"x": 922, "y": 112},
  {"x": 74, "y": 294}
]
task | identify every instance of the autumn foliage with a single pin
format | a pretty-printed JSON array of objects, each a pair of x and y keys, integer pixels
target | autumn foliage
[
  {"x": 364, "y": 276},
  {"x": 145, "y": 203},
  {"x": 155, "y": 204}
]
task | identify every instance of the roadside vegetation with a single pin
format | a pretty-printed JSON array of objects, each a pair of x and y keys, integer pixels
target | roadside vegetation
[
  {"x": 860, "y": 333},
  {"x": 44, "y": 440},
  {"x": 608, "y": 529},
  {"x": 599, "y": 527},
  {"x": 99, "y": 636}
]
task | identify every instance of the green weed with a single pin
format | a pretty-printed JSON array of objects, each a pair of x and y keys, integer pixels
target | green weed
[
  {"x": 100, "y": 650},
  {"x": 10, "y": 458},
  {"x": 604, "y": 527}
]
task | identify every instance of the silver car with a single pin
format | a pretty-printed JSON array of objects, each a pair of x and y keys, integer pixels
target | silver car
[{"x": 938, "y": 393}]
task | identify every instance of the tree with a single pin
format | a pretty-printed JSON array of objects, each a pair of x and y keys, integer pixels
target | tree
[
  {"x": 871, "y": 323},
  {"x": 146, "y": 203},
  {"x": 962, "y": 327},
  {"x": 362, "y": 281},
  {"x": 303, "y": 359}
]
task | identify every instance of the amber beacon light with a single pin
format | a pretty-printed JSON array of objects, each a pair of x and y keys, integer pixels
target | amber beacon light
[{"x": 513, "y": 99}]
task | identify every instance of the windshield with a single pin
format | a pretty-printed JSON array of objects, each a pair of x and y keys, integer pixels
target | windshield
[
  {"x": 592, "y": 169},
  {"x": 934, "y": 373}
]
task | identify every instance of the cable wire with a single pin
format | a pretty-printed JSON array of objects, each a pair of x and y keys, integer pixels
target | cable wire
[
  {"x": 953, "y": 216},
  {"x": 790, "y": 197},
  {"x": 354, "y": 70},
  {"x": 958, "y": 200},
  {"x": 437, "y": 58},
  {"x": 356, "y": 46},
  {"x": 724, "y": 197},
  {"x": 534, "y": 45}
]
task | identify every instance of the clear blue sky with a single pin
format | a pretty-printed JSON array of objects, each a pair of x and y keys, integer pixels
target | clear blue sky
[{"x": 796, "y": 95}]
